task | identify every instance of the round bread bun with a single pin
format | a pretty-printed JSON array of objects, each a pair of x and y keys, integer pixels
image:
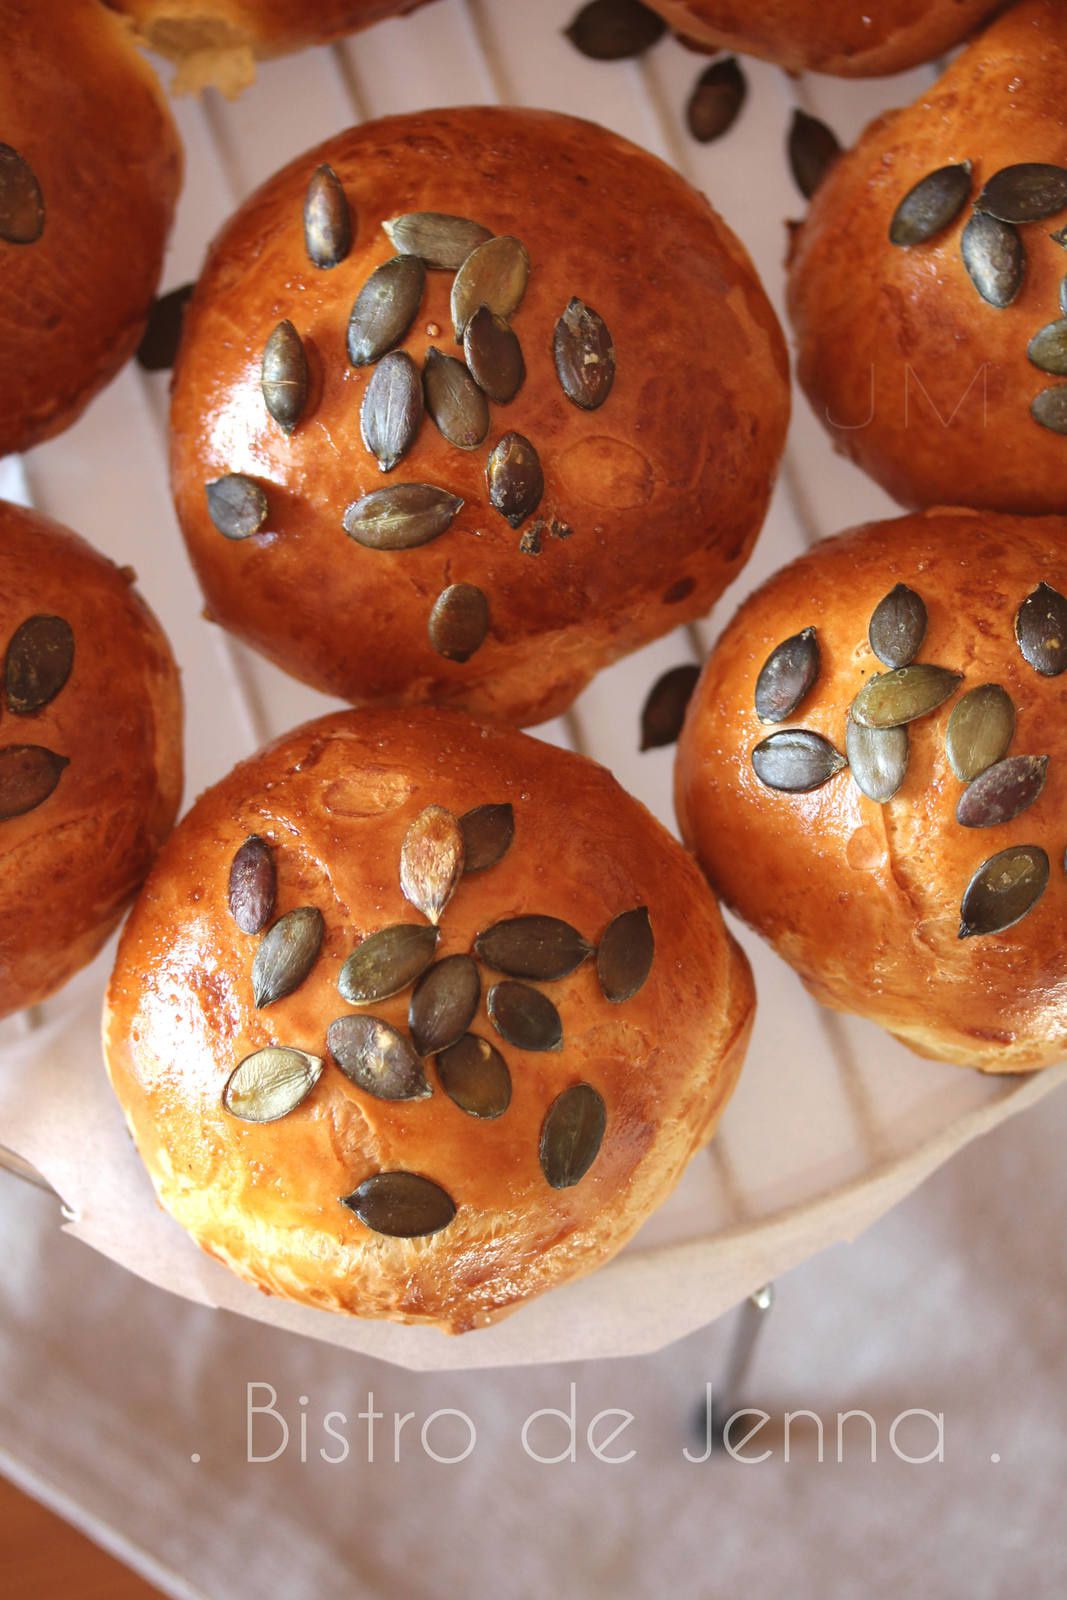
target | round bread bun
[
  {"x": 90, "y": 752},
  {"x": 337, "y": 805},
  {"x": 651, "y": 501},
  {"x": 90, "y": 168},
  {"x": 919, "y": 379},
  {"x": 866, "y": 899}
]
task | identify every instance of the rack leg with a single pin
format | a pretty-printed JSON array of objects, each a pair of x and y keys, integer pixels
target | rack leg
[{"x": 752, "y": 1318}]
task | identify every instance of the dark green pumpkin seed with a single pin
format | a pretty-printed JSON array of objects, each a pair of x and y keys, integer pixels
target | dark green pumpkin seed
[
  {"x": 532, "y": 946},
  {"x": 663, "y": 712},
  {"x": 385, "y": 308},
  {"x": 236, "y": 505},
  {"x": 979, "y": 730},
  {"x": 877, "y": 759},
  {"x": 431, "y": 861},
  {"x": 377, "y": 1059},
  {"x": 716, "y": 101},
  {"x": 1041, "y": 629},
  {"x": 284, "y": 378},
  {"x": 625, "y": 954},
  {"x": 493, "y": 275},
  {"x": 327, "y": 219},
  {"x": 158, "y": 349},
  {"x": 615, "y": 30},
  {"x": 931, "y": 205},
  {"x": 571, "y": 1135},
  {"x": 286, "y": 955},
  {"x": 813, "y": 148},
  {"x": 795, "y": 761},
  {"x": 584, "y": 355},
  {"x": 253, "y": 885},
  {"x": 494, "y": 356},
  {"x": 475, "y": 1076},
  {"x": 787, "y": 676},
  {"x": 1003, "y": 890},
  {"x": 1002, "y": 792},
  {"x": 1050, "y": 408},
  {"x": 444, "y": 1004},
  {"x": 391, "y": 412},
  {"x": 401, "y": 517},
  {"x": 898, "y": 627},
  {"x": 28, "y": 775},
  {"x": 21, "y": 201},
  {"x": 515, "y": 479},
  {"x": 1060, "y": 238},
  {"x": 993, "y": 254},
  {"x": 1048, "y": 348},
  {"x": 386, "y": 962},
  {"x": 454, "y": 400},
  {"x": 459, "y": 621},
  {"x": 1063, "y": 296},
  {"x": 1026, "y": 192},
  {"x": 270, "y": 1083},
  {"x": 487, "y": 834},
  {"x": 441, "y": 242},
  {"x": 402, "y": 1205},
  {"x": 524, "y": 1017},
  {"x": 891, "y": 698},
  {"x": 38, "y": 663}
]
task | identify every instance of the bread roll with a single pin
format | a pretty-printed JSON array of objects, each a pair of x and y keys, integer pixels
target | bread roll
[
  {"x": 90, "y": 752},
  {"x": 882, "y": 905},
  {"x": 524, "y": 1189}
]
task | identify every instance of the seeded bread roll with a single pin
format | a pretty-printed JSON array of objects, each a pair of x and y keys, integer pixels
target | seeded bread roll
[
  {"x": 924, "y": 886},
  {"x": 90, "y": 752},
  {"x": 90, "y": 169},
  {"x": 936, "y": 361},
  {"x": 498, "y": 564},
  {"x": 410, "y": 1176}
]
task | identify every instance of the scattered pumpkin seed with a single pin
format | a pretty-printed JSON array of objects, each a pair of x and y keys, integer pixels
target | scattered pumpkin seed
[
  {"x": 459, "y": 621},
  {"x": 666, "y": 703},
  {"x": 625, "y": 954},
  {"x": 270, "y": 1083},
  {"x": 615, "y": 30},
  {"x": 286, "y": 955},
  {"x": 532, "y": 946},
  {"x": 376, "y": 1058},
  {"x": 444, "y": 1004},
  {"x": 1003, "y": 890},
  {"x": 1063, "y": 295},
  {"x": 284, "y": 377},
  {"x": 584, "y": 355},
  {"x": 401, "y": 516},
  {"x": 494, "y": 356},
  {"x": 28, "y": 775},
  {"x": 1048, "y": 348},
  {"x": 236, "y": 505},
  {"x": 454, "y": 400},
  {"x": 524, "y": 1017},
  {"x": 716, "y": 101},
  {"x": 813, "y": 148},
  {"x": 514, "y": 478},
  {"x": 931, "y": 205},
  {"x": 487, "y": 835},
  {"x": 327, "y": 219},
  {"x": 898, "y": 627},
  {"x": 1041, "y": 629},
  {"x": 431, "y": 861},
  {"x": 385, "y": 308},
  {"x": 158, "y": 349},
  {"x": 21, "y": 201},
  {"x": 891, "y": 698},
  {"x": 38, "y": 663},
  {"x": 386, "y": 962},
  {"x": 402, "y": 1205},
  {"x": 253, "y": 885},
  {"x": 795, "y": 761},
  {"x": 475, "y": 1076},
  {"x": 787, "y": 676},
  {"x": 494, "y": 275},
  {"x": 1002, "y": 792},
  {"x": 877, "y": 759},
  {"x": 993, "y": 254},
  {"x": 979, "y": 730},
  {"x": 391, "y": 412},
  {"x": 441, "y": 242},
  {"x": 1050, "y": 408},
  {"x": 571, "y": 1135},
  {"x": 1026, "y": 192}
]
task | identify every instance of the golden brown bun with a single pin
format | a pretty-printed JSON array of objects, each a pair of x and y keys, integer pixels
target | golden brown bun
[
  {"x": 335, "y": 800},
  {"x": 69, "y": 867},
  {"x": 850, "y": 38},
  {"x": 665, "y": 486},
  {"x": 919, "y": 380},
  {"x": 84, "y": 109},
  {"x": 217, "y": 41},
  {"x": 864, "y": 900}
]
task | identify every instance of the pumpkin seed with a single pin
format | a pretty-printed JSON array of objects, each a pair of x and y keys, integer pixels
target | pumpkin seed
[
  {"x": 441, "y": 242},
  {"x": 1026, "y": 192},
  {"x": 524, "y": 1017},
  {"x": 391, "y": 412},
  {"x": 270, "y": 1083},
  {"x": 21, "y": 201},
  {"x": 386, "y": 962},
  {"x": 401, "y": 517},
  {"x": 615, "y": 30},
  {"x": 515, "y": 479},
  {"x": 286, "y": 955},
  {"x": 584, "y": 355},
  {"x": 891, "y": 698},
  {"x": 1048, "y": 348},
  {"x": 979, "y": 730},
  {"x": 377, "y": 1058},
  {"x": 624, "y": 957},
  {"x": 795, "y": 761},
  {"x": 431, "y": 861},
  {"x": 402, "y": 1205},
  {"x": 993, "y": 254},
  {"x": 1002, "y": 792},
  {"x": 494, "y": 356},
  {"x": 787, "y": 676},
  {"x": 716, "y": 101},
  {"x": 1063, "y": 296},
  {"x": 898, "y": 627},
  {"x": 475, "y": 1076},
  {"x": 38, "y": 663},
  {"x": 1060, "y": 238},
  {"x": 544, "y": 948},
  {"x": 931, "y": 205},
  {"x": 1041, "y": 629},
  {"x": 813, "y": 148},
  {"x": 385, "y": 308},
  {"x": 877, "y": 759},
  {"x": 663, "y": 712},
  {"x": 158, "y": 349},
  {"x": 459, "y": 621},
  {"x": 454, "y": 400},
  {"x": 494, "y": 275},
  {"x": 1003, "y": 890},
  {"x": 444, "y": 1004},
  {"x": 284, "y": 377},
  {"x": 571, "y": 1135},
  {"x": 253, "y": 885},
  {"x": 487, "y": 834},
  {"x": 28, "y": 775},
  {"x": 1050, "y": 408},
  {"x": 327, "y": 219},
  {"x": 236, "y": 505}
]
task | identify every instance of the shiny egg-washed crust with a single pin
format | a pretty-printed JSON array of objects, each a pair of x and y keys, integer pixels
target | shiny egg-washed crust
[
  {"x": 665, "y": 486},
  {"x": 69, "y": 868},
  {"x": 917, "y": 379},
  {"x": 864, "y": 899},
  {"x": 335, "y": 799},
  {"x": 850, "y": 38},
  {"x": 84, "y": 108}
]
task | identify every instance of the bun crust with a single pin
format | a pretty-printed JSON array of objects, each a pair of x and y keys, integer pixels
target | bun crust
[
  {"x": 85, "y": 111},
  {"x": 664, "y": 499},
  {"x": 919, "y": 380},
  {"x": 335, "y": 799},
  {"x": 864, "y": 900},
  {"x": 69, "y": 866}
]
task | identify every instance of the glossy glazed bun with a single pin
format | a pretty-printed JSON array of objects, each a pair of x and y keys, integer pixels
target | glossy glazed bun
[
  {"x": 90, "y": 167},
  {"x": 525, "y": 1189},
  {"x": 90, "y": 752},
  {"x": 922, "y": 381},
  {"x": 882, "y": 906},
  {"x": 654, "y": 484}
]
